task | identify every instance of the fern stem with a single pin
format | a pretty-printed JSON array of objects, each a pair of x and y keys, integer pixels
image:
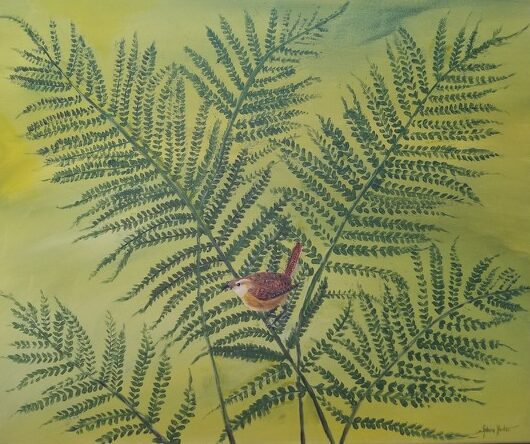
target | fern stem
[
  {"x": 300, "y": 396},
  {"x": 405, "y": 350},
  {"x": 217, "y": 379},
  {"x": 223, "y": 146},
  {"x": 160, "y": 438},
  {"x": 304, "y": 381}
]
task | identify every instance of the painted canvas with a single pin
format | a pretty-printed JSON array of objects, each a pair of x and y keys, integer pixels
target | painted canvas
[{"x": 264, "y": 222}]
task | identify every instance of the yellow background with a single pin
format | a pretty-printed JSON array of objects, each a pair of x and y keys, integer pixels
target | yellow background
[{"x": 36, "y": 250}]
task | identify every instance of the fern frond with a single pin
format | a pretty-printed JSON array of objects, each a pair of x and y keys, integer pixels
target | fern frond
[
  {"x": 401, "y": 348},
  {"x": 265, "y": 386},
  {"x": 258, "y": 89},
  {"x": 247, "y": 352},
  {"x": 143, "y": 361},
  {"x": 183, "y": 416},
  {"x": 403, "y": 428},
  {"x": 263, "y": 406},
  {"x": 95, "y": 399},
  {"x": 271, "y": 375},
  {"x": 389, "y": 157}
]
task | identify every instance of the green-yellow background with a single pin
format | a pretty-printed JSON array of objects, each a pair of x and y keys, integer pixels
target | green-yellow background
[{"x": 36, "y": 251}]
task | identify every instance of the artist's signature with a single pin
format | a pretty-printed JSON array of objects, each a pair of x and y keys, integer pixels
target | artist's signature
[{"x": 494, "y": 429}]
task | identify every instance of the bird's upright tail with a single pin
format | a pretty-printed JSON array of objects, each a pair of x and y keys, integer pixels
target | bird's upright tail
[{"x": 293, "y": 260}]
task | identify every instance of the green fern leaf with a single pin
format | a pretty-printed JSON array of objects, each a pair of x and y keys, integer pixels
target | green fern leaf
[
  {"x": 247, "y": 352},
  {"x": 145, "y": 356},
  {"x": 89, "y": 393},
  {"x": 160, "y": 385},
  {"x": 271, "y": 375}
]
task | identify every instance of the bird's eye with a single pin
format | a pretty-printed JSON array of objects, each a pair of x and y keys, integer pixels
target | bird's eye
[{"x": 238, "y": 284}]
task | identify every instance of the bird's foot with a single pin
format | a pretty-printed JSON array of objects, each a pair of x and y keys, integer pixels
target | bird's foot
[
  {"x": 270, "y": 317},
  {"x": 277, "y": 317}
]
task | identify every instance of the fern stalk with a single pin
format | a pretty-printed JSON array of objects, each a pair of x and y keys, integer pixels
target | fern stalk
[
  {"x": 406, "y": 348},
  {"x": 159, "y": 437},
  {"x": 224, "y": 413},
  {"x": 300, "y": 396},
  {"x": 307, "y": 386},
  {"x": 223, "y": 146}
]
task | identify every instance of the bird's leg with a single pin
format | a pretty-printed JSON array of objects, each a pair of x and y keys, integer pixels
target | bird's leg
[
  {"x": 280, "y": 316},
  {"x": 271, "y": 315},
  {"x": 267, "y": 321}
]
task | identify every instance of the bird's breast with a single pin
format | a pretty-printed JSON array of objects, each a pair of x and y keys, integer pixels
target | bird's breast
[{"x": 256, "y": 304}]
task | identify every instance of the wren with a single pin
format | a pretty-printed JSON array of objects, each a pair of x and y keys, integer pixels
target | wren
[{"x": 265, "y": 291}]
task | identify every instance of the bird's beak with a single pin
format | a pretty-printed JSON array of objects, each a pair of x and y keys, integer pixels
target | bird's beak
[{"x": 226, "y": 286}]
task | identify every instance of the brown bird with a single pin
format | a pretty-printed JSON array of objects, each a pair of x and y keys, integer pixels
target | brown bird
[{"x": 264, "y": 291}]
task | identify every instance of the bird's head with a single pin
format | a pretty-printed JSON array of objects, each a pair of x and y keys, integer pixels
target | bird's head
[{"x": 239, "y": 286}]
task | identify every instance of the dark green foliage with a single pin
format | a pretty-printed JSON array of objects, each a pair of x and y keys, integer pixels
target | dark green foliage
[
  {"x": 164, "y": 174},
  {"x": 256, "y": 88},
  {"x": 309, "y": 312},
  {"x": 58, "y": 348},
  {"x": 276, "y": 374},
  {"x": 247, "y": 352},
  {"x": 263, "y": 406},
  {"x": 155, "y": 184},
  {"x": 270, "y": 375},
  {"x": 183, "y": 416},
  {"x": 403, "y": 428}
]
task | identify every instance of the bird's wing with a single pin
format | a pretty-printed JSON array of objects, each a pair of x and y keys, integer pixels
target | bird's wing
[{"x": 270, "y": 285}]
